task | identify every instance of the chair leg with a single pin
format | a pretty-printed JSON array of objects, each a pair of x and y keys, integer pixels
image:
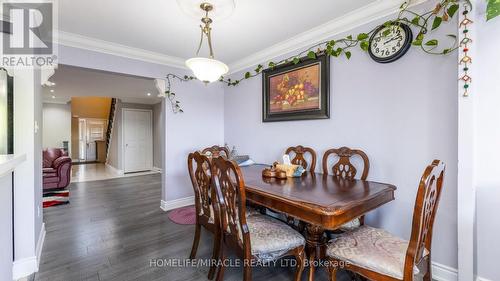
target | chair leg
[
  {"x": 355, "y": 276},
  {"x": 428, "y": 274},
  {"x": 196, "y": 241},
  {"x": 301, "y": 264},
  {"x": 332, "y": 273},
  {"x": 215, "y": 255},
  {"x": 247, "y": 272},
  {"x": 220, "y": 273},
  {"x": 301, "y": 227}
]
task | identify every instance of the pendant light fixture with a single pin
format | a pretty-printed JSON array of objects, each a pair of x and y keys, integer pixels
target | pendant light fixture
[{"x": 209, "y": 69}]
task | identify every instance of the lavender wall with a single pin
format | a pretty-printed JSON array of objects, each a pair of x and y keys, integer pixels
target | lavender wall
[
  {"x": 200, "y": 125},
  {"x": 403, "y": 115},
  {"x": 487, "y": 102},
  {"x": 158, "y": 129}
]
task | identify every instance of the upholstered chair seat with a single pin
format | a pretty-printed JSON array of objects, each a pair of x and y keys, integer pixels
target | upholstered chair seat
[
  {"x": 351, "y": 225},
  {"x": 271, "y": 238},
  {"x": 373, "y": 249}
]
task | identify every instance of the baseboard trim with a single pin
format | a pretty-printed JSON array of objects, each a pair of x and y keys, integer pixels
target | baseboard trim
[
  {"x": 178, "y": 203},
  {"x": 24, "y": 267},
  {"x": 441, "y": 272},
  {"x": 120, "y": 172},
  {"x": 39, "y": 245},
  {"x": 479, "y": 278}
]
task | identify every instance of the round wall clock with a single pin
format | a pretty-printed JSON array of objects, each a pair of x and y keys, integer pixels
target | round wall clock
[{"x": 392, "y": 45}]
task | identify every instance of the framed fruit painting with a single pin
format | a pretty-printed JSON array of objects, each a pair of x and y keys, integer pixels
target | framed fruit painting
[{"x": 297, "y": 91}]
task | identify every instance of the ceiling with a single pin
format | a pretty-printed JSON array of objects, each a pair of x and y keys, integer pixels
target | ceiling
[
  {"x": 161, "y": 27},
  {"x": 73, "y": 81},
  {"x": 90, "y": 107}
]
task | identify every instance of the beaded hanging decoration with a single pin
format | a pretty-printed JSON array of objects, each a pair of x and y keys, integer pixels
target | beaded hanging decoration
[{"x": 466, "y": 60}]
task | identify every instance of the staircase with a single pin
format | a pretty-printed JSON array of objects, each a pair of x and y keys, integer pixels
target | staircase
[{"x": 111, "y": 120}]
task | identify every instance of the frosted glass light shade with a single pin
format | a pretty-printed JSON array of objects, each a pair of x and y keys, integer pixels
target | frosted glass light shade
[{"x": 207, "y": 70}]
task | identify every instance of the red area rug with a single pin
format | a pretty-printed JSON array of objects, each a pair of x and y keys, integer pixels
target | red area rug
[
  {"x": 184, "y": 215},
  {"x": 55, "y": 198}
]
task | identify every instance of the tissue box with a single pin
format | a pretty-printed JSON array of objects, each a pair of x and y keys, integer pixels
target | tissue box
[{"x": 291, "y": 170}]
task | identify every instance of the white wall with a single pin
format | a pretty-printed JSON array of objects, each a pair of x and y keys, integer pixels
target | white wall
[
  {"x": 37, "y": 165},
  {"x": 403, "y": 115},
  {"x": 28, "y": 213},
  {"x": 57, "y": 125},
  {"x": 487, "y": 101},
  {"x": 6, "y": 222},
  {"x": 115, "y": 145},
  {"x": 158, "y": 129}
]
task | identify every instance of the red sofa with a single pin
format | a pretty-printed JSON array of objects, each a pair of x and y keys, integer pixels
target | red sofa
[{"x": 56, "y": 168}]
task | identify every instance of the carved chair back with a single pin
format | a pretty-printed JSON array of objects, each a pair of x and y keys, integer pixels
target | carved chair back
[
  {"x": 199, "y": 167},
  {"x": 299, "y": 158},
  {"x": 231, "y": 198},
  {"x": 344, "y": 168},
  {"x": 216, "y": 151},
  {"x": 424, "y": 213}
]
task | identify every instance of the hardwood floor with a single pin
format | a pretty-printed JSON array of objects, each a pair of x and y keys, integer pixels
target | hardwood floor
[
  {"x": 99, "y": 171},
  {"x": 112, "y": 229}
]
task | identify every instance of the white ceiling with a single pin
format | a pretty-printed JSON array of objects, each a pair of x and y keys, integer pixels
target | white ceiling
[
  {"x": 73, "y": 81},
  {"x": 161, "y": 27}
]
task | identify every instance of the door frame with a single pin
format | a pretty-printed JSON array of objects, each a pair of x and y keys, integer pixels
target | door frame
[
  {"x": 150, "y": 143},
  {"x": 82, "y": 149},
  {"x": 86, "y": 120}
]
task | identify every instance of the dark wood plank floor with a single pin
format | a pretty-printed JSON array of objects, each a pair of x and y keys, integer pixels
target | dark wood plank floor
[{"x": 112, "y": 229}]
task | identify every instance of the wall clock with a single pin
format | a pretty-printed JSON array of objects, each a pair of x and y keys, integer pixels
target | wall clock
[{"x": 392, "y": 45}]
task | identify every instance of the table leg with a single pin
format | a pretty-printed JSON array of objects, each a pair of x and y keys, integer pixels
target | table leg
[{"x": 315, "y": 246}]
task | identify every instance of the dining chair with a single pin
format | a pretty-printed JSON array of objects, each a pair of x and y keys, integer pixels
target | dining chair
[
  {"x": 256, "y": 238},
  {"x": 344, "y": 169},
  {"x": 215, "y": 151},
  {"x": 299, "y": 153},
  {"x": 378, "y": 255},
  {"x": 299, "y": 158},
  {"x": 199, "y": 167}
]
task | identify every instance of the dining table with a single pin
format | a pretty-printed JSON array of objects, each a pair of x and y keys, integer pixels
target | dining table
[{"x": 323, "y": 202}]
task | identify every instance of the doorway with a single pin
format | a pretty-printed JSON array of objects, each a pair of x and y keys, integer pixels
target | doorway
[
  {"x": 92, "y": 95},
  {"x": 90, "y": 131}
]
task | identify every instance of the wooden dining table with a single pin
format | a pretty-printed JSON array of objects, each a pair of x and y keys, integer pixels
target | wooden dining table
[{"x": 322, "y": 202}]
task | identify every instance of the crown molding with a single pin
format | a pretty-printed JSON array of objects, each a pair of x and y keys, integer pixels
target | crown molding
[
  {"x": 106, "y": 47},
  {"x": 371, "y": 12}
]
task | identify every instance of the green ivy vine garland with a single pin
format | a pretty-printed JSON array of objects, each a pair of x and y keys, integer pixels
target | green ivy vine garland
[
  {"x": 493, "y": 9},
  {"x": 425, "y": 22}
]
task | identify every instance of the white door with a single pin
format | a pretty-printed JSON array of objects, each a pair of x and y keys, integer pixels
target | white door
[
  {"x": 95, "y": 131},
  {"x": 82, "y": 139},
  {"x": 137, "y": 140}
]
